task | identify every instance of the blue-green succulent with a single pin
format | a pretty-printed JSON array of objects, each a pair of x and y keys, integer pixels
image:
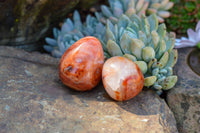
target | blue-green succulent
[
  {"x": 118, "y": 7},
  {"x": 72, "y": 31},
  {"x": 147, "y": 43}
]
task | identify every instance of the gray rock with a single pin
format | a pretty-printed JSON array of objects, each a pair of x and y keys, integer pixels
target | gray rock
[
  {"x": 184, "y": 99},
  {"x": 24, "y": 22},
  {"x": 34, "y": 100}
]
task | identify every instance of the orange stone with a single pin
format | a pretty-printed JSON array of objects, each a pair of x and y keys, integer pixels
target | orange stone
[
  {"x": 122, "y": 78},
  {"x": 81, "y": 65}
]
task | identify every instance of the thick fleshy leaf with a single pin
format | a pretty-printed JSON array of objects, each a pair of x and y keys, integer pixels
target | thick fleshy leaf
[
  {"x": 48, "y": 48},
  {"x": 162, "y": 31},
  {"x": 123, "y": 21},
  {"x": 106, "y": 11},
  {"x": 164, "y": 14},
  {"x": 149, "y": 81},
  {"x": 155, "y": 38},
  {"x": 164, "y": 59},
  {"x": 113, "y": 48},
  {"x": 130, "y": 57},
  {"x": 67, "y": 26},
  {"x": 136, "y": 48},
  {"x": 153, "y": 22},
  {"x": 51, "y": 41},
  {"x": 125, "y": 43},
  {"x": 168, "y": 82},
  {"x": 142, "y": 65},
  {"x": 161, "y": 49},
  {"x": 173, "y": 56},
  {"x": 148, "y": 54}
]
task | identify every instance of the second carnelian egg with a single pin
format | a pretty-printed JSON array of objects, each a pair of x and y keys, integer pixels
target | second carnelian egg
[{"x": 122, "y": 78}]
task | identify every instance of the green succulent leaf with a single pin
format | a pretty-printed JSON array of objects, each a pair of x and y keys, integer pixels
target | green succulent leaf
[
  {"x": 149, "y": 81},
  {"x": 113, "y": 48},
  {"x": 136, "y": 48},
  {"x": 142, "y": 65}
]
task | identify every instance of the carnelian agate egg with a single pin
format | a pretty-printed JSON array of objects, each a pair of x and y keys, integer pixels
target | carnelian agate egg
[
  {"x": 122, "y": 78},
  {"x": 81, "y": 64}
]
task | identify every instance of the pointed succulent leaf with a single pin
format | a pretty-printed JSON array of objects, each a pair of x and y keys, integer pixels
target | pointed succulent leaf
[
  {"x": 142, "y": 65},
  {"x": 168, "y": 6},
  {"x": 164, "y": 3},
  {"x": 155, "y": 5},
  {"x": 161, "y": 49},
  {"x": 67, "y": 26},
  {"x": 134, "y": 27},
  {"x": 162, "y": 31},
  {"x": 170, "y": 42},
  {"x": 164, "y": 59},
  {"x": 153, "y": 22},
  {"x": 139, "y": 5},
  {"x": 131, "y": 4},
  {"x": 172, "y": 58},
  {"x": 155, "y": 71},
  {"x": 155, "y": 38},
  {"x": 51, "y": 41},
  {"x": 143, "y": 37},
  {"x": 136, "y": 48},
  {"x": 125, "y": 43},
  {"x": 56, "y": 33},
  {"x": 145, "y": 25},
  {"x": 136, "y": 19},
  {"x": 131, "y": 33},
  {"x": 164, "y": 14},
  {"x": 109, "y": 34},
  {"x": 151, "y": 62},
  {"x": 149, "y": 81},
  {"x": 168, "y": 82},
  {"x": 113, "y": 48},
  {"x": 106, "y": 11},
  {"x": 151, "y": 11},
  {"x": 130, "y": 57},
  {"x": 56, "y": 53},
  {"x": 157, "y": 86},
  {"x": 169, "y": 71},
  {"x": 163, "y": 71},
  {"x": 130, "y": 12},
  {"x": 148, "y": 54},
  {"x": 48, "y": 48},
  {"x": 123, "y": 21}
]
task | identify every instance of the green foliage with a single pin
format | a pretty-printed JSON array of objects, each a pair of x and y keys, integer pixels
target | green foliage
[
  {"x": 147, "y": 44},
  {"x": 184, "y": 15}
]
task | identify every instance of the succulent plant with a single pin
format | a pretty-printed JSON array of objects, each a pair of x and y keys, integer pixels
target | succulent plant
[
  {"x": 146, "y": 43},
  {"x": 139, "y": 7},
  {"x": 185, "y": 15},
  {"x": 72, "y": 31}
]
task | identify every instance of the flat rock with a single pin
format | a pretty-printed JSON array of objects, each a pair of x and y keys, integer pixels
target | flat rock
[
  {"x": 34, "y": 100},
  {"x": 184, "y": 99}
]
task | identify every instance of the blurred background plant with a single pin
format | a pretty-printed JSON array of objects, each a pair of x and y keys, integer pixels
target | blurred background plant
[
  {"x": 71, "y": 31},
  {"x": 184, "y": 15}
]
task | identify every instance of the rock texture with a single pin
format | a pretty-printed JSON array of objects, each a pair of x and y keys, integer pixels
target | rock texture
[
  {"x": 184, "y": 99},
  {"x": 34, "y": 100},
  {"x": 24, "y": 22}
]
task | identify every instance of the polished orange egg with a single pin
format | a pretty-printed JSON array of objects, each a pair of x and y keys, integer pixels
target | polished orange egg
[
  {"x": 81, "y": 65},
  {"x": 122, "y": 78}
]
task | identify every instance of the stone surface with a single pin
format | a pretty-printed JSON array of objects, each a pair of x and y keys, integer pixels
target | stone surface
[
  {"x": 24, "y": 22},
  {"x": 34, "y": 100},
  {"x": 184, "y": 99}
]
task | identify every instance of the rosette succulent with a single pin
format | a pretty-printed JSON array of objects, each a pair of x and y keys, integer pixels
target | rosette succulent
[
  {"x": 118, "y": 7},
  {"x": 72, "y": 31},
  {"x": 185, "y": 15},
  {"x": 146, "y": 43}
]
